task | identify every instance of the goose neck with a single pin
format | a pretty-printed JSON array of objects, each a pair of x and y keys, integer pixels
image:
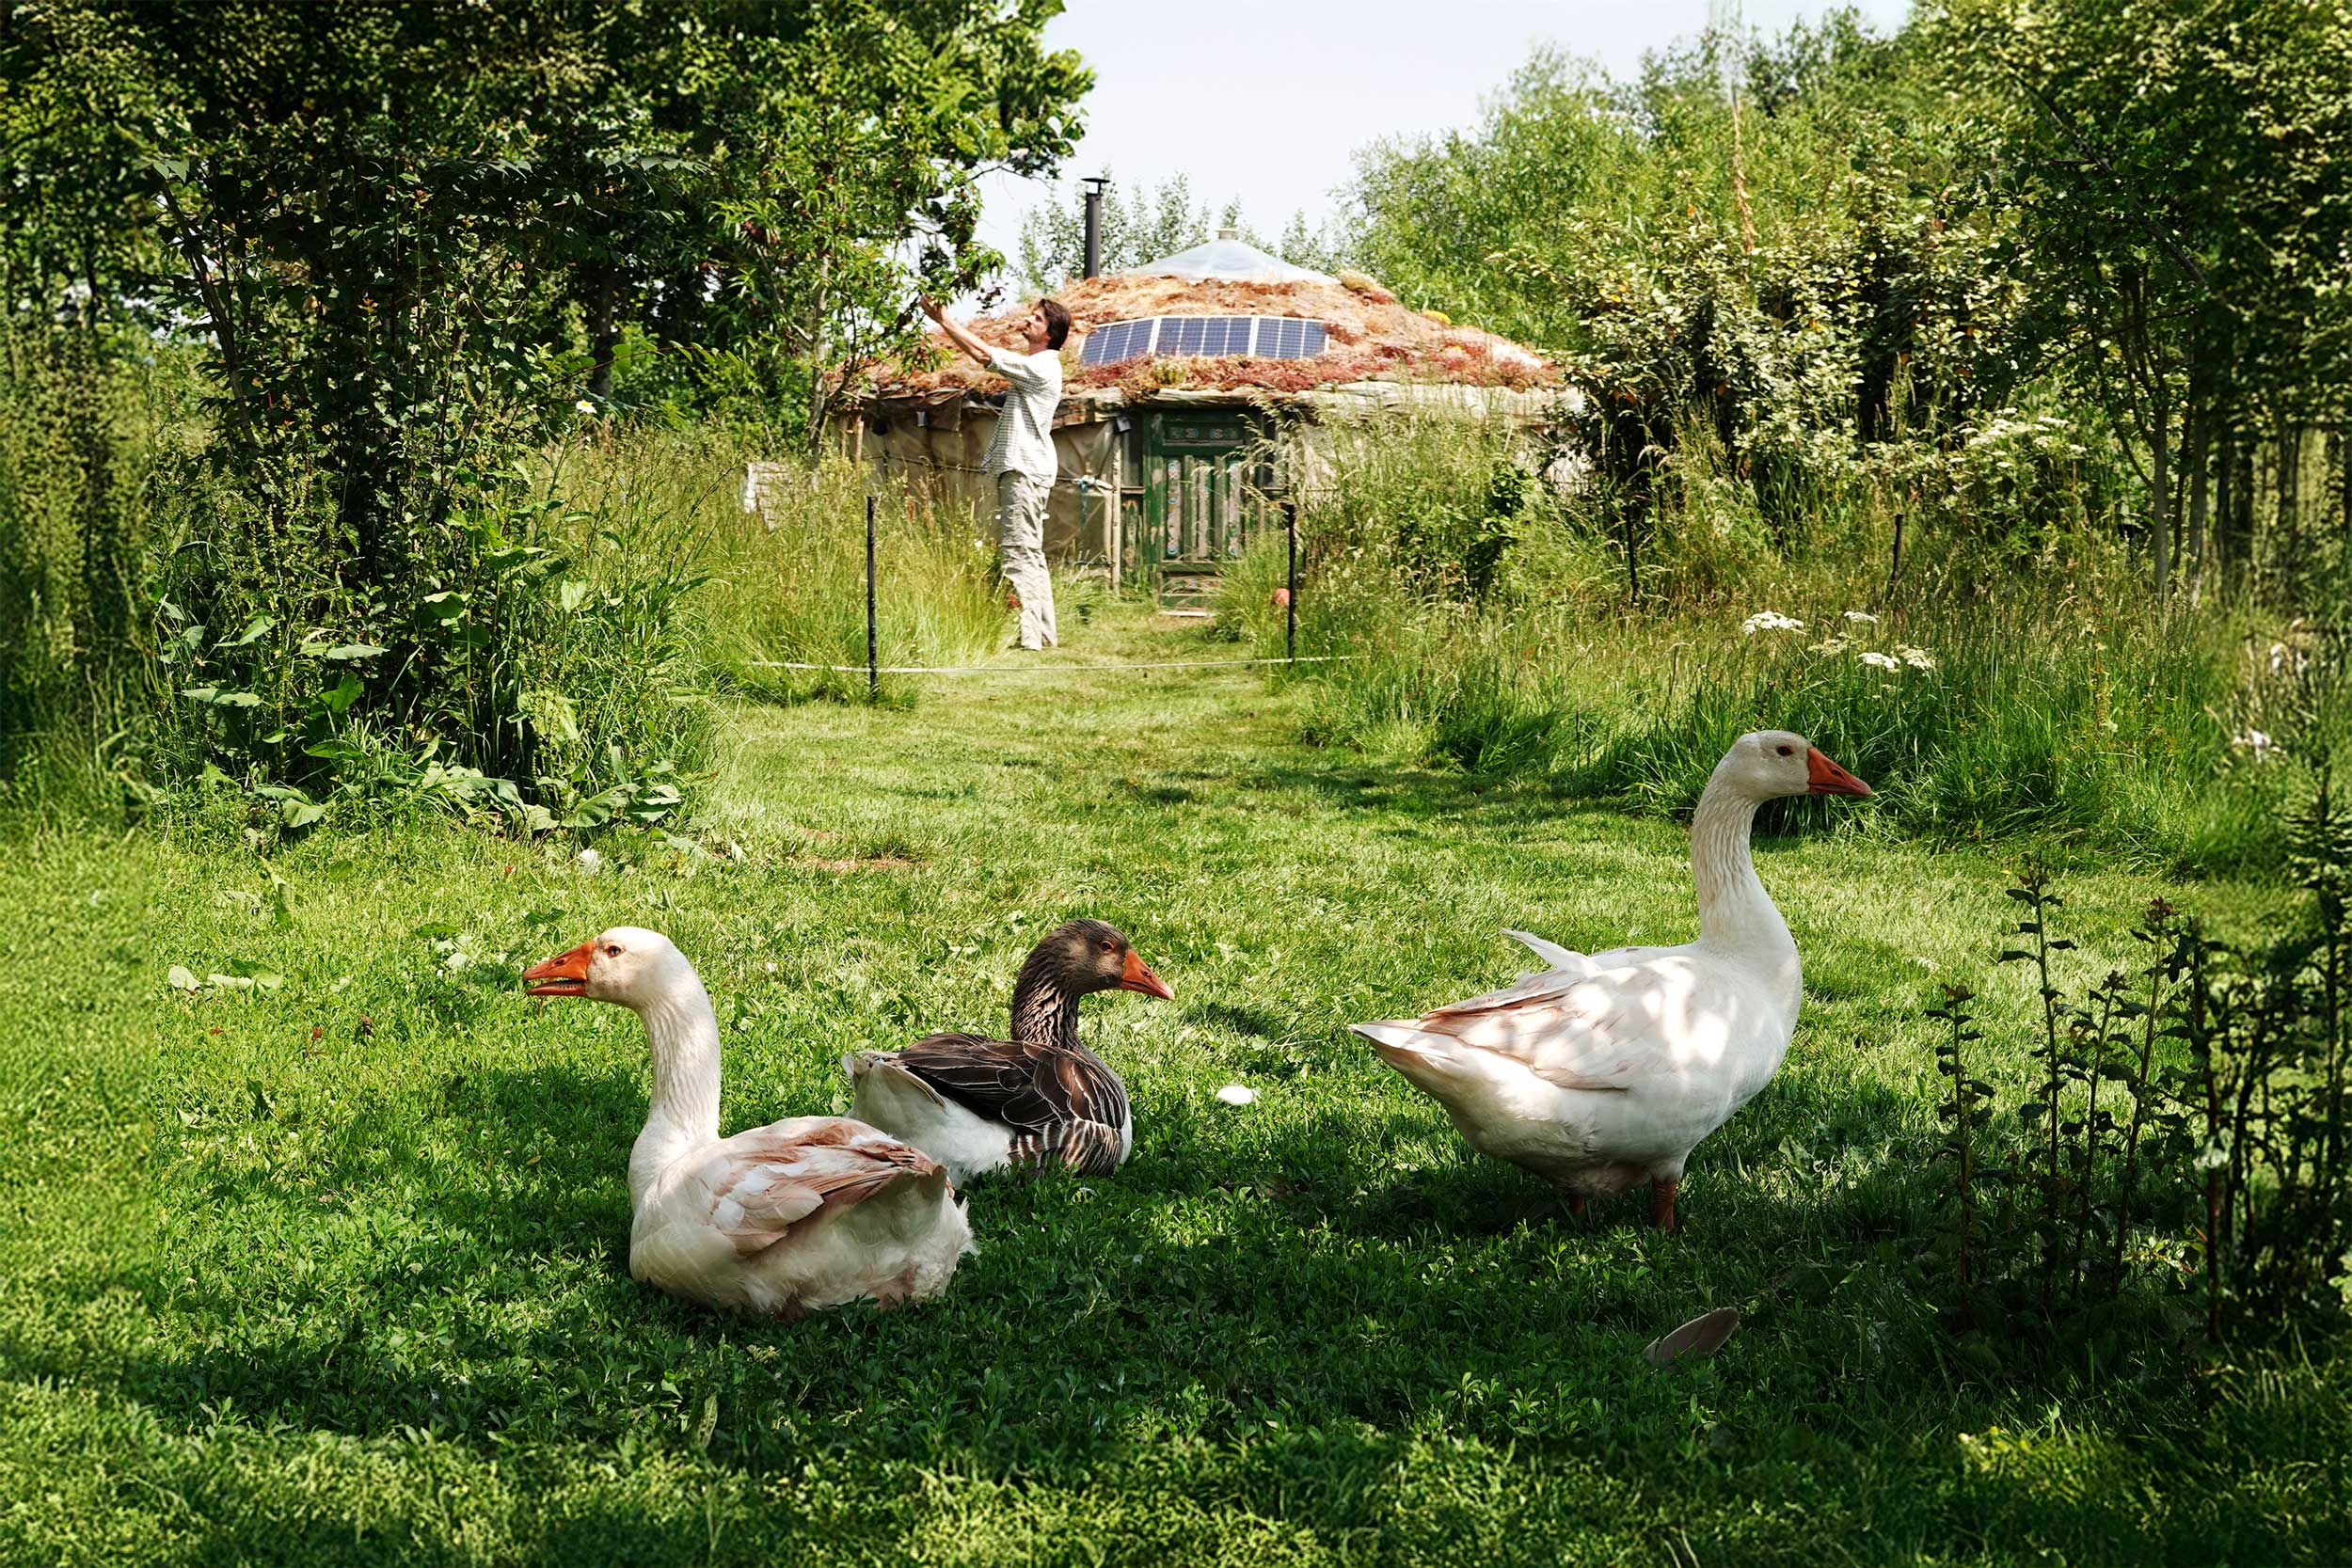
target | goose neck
[
  {"x": 1734, "y": 911},
  {"x": 1044, "y": 1012},
  {"x": 682, "y": 1035}
]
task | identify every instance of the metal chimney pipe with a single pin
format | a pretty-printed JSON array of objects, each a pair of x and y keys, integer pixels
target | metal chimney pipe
[{"x": 1094, "y": 184}]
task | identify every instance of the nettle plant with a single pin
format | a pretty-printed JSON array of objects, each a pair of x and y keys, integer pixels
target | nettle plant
[
  {"x": 490, "y": 682},
  {"x": 2184, "y": 1142}
]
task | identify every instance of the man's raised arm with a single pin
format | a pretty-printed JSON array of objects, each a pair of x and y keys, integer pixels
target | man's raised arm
[{"x": 959, "y": 334}]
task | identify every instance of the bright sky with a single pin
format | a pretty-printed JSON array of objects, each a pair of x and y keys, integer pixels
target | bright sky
[{"x": 1268, "y": 100}]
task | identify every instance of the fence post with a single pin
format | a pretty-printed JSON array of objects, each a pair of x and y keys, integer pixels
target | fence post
[
  {"x": 873, "y": 670},
  {"x": 1290, "y": 593}
]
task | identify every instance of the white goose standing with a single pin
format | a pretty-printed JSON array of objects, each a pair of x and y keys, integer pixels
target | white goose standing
[
  {"x": 1610, "y": 1068},
  {"x": 789, "y": 1218}
]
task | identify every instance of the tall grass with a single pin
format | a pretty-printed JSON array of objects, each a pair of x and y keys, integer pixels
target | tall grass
[
  {"x": 1987, "y": 697},
  {"x": 786, "y": 584},
  {"x": 77, "y": 415},
  {"x": 1978, "y": 723}
]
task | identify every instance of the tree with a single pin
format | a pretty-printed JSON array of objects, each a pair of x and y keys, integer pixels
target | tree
[
  {"x": 2177, "y": 175},
  {"x": 409, "y": 236},
  {"x": 1318, "y": 249},
  {"x": 1153, "y": 222}
]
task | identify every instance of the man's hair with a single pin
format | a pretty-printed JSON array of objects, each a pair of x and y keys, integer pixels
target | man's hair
[{"x": 1056, "y": 322}]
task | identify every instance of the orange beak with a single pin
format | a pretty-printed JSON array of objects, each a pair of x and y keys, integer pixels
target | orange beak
[
  {"x": 1139, "y": 977},
  {"x": 566, "y": 975},
  {"x": 1827, "y": 777}
]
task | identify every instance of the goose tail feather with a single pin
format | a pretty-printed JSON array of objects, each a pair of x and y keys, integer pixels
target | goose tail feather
[
  {"x": 1429, "y": 1060},
  {"x": 882, "y": 1072},
  {"x": 1551, "y": 952}
]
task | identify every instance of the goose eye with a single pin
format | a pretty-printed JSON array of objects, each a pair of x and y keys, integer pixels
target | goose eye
[
  {"x": 1104, "y": 944},
  {"x": 1786, "y": 751},
  {"x": 613, "y": 950}
]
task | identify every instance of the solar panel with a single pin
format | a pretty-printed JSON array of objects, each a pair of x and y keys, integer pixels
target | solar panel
[
  {"x": 1268, "y": 336},
  {"x": 1228, "y": 335},
  {"x": 1289, "y": 337},
  {"x": 1119, "y": 341}
]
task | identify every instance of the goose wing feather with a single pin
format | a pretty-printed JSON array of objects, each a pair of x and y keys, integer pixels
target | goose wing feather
[
  {"x": 754, "y": 1187},
  {"x": 1614, "y": 1030},
  {"x": 1551, "y": 952},
  {"x": 1059, "y": 1101},
  {"x": 1568, "y": 969}
]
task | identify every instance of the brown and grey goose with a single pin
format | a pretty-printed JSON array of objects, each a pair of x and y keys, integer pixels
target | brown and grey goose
[{"x": 976, "y": 1104}]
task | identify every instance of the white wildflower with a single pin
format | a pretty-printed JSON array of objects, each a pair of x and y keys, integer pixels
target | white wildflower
[
  {"x": 1233, "y": 1094},
  {"x": 1832, "y": 645},
  {"x": 585, "y": 406},
  {"x": 589, "y": 859},
  {"x": 2254, "y": 741},
  {"x": 1768, "y": 620},
  {"x": 1918, "y": 658},
  {"x": 1862, "y": 617},
  {"x": 1881, "y": 661}
]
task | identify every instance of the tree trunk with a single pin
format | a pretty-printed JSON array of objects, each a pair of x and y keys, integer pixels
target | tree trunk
[
  {"x": 603, "y": 335},
  {"x": 2344, "y": 470},
  {"x": 2237, "y": 516},
  {"x": 2160, "y": 495},
  {"x": 2225, "y": 542},
  {"x": 2199, "y": 438},
  {"x": 2290, "y": 498}
]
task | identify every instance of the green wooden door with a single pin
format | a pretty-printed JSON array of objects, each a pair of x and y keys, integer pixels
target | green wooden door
[{"x": 1204, "y": 499}]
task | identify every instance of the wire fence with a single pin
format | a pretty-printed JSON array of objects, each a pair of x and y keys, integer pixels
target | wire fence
[
  {"x": 1045, "y": 668},
  {"x": 875, "y": 670}
]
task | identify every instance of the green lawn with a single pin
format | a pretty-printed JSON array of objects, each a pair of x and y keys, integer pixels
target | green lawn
[{"x": 336, "y": 1271}]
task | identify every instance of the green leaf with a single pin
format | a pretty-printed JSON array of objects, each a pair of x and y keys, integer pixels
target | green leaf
[
  {"x": 597, "y": 810},
  {"x": 550, "y": 714},
  {"x": 346, "y": 692},
  {"x": 252, "y": 633},
  {"x": 348, "y": 650}
]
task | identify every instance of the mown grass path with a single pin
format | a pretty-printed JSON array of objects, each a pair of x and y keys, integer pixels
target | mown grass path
[{"x": 336, "y": 1271}]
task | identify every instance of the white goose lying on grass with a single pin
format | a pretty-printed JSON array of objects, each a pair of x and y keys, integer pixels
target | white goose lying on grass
[
  {"x": 1607, "y": 1070},
  {"x": 789, "y": 1218}
]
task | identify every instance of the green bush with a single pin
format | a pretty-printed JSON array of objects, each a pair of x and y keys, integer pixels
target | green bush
[
  {"x": 534, "y": 663},
  {"x": 174, "y": 631}
]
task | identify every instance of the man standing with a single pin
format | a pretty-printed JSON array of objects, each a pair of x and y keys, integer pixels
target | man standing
[{"x": 1021, "y": 458}]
